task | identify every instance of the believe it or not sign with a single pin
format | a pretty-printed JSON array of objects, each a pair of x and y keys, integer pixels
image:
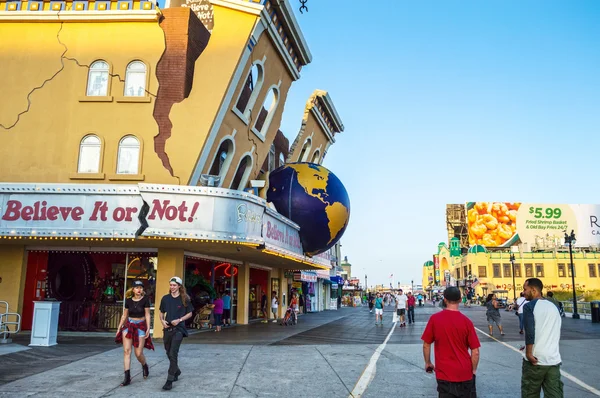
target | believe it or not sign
[
  {"x": 199, "y": 215},
  {"x": 278, "y": 233},
  {"x": 50, "y": 212}
]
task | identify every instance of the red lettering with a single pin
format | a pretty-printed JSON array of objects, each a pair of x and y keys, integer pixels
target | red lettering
[
  {"x": 26, "y": 213},
  {"x": 12, "y": 210},
  {"x": 77, "y": 213},
  {"x": 52, "y": 213},
  {"x": 130, "y": 211},
  {"x": 182, "y": 209},
  {"x": 163, "y": 210},
  {"x": 65, "y": 211},
  {"x": 119, "y": 214}
]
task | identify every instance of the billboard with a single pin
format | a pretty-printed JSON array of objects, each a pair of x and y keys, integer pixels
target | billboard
[{"x": 505, "y": 224}]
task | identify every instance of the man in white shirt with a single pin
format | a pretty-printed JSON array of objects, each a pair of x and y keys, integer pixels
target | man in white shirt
[
  {"x": 274, "y": 306},
  {"x": 521, "y": 301},
  {"x": 541, "y": 366},
  {"x": 401, "y": 300}
]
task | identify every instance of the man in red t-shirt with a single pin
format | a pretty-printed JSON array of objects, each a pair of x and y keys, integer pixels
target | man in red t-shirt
[{"x": 454, "y": 335}]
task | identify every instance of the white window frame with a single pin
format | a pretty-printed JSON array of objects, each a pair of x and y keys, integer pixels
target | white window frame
[
  {"x": 316, "y": 156},
  {"x": 246, "y": 175},
  {"x": 262, "y": 134},
  {"x": 272, "y": 159},
  {"x": 308, "y": 142},
  {"x": 281, "y": 159},
  {"x": 245, "y": 115},
  {"x": 129, "y": 72},
  {"x": 94, "y": 69},
  {"x": 139, "y": 154},
  {"x": 227, "y": 164},
  {"x": 82, "y": 145}
]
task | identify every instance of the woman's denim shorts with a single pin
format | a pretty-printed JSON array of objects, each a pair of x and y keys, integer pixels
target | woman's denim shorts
[{"x": 141, "y": 333}]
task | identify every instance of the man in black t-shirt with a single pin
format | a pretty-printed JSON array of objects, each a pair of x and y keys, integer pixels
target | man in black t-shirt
[{"x": 175, "y": 309}]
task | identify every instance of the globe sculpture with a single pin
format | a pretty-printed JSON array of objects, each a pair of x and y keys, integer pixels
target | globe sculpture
[{"x": 315, "y": 199}]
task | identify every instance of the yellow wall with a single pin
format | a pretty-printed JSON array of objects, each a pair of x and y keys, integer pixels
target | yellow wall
[
  {"x": 13, "y": 269},
  {"x": 44, "y": 145},
  {"x": 550, "y": 262},
  {"x": 193, "y": 118},
  {"x": 243, "y": 297},
  {"x": 171, "y": 263}
]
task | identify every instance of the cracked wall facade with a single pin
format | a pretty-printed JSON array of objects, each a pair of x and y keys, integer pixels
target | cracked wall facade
[{"x": 44, "y": 145}]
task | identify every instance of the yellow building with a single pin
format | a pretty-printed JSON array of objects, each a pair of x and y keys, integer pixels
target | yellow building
[
  {"x": 493, "y": 270},
  {"x": 138, "y": 107}
]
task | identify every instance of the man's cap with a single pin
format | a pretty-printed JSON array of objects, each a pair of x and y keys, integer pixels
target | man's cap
[
  {"x": 177, "y": 280},
  {"x": 452, "y": 294},
  {"x": 138, "y": 283}
]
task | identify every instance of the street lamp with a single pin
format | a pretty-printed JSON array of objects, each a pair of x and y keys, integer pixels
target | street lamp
[
  {"x": 412, "y": 285},
  {"x": 512, "y": 262},
  {"x": 366, "y": 286},
  {"x": 570, "y": 240}
]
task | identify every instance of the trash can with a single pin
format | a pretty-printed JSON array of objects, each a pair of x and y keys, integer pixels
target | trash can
[
  {"x": 45, "y": 323},
  {"x": 595, "y": 311}
]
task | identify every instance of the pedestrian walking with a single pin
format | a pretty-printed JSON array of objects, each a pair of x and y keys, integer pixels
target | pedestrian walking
[
  {"x": 410, "y": 302},
  {"x": 401, "y": 301},
  {"x": 274, "y": 305},
  {"x": 379, "y": 309},
  {"x": 541, "y": 365},
  {"x": 521, "y": 301},
  {"x": 371, "y": 303},
  {"x": 218, "y": 312},
  {"x": 226, "y": 309},
  {"x": 133, "y": 329},
  {"x": 294, "y": 308},
  {"x": 175, "y": 309},
  {"x": 493, "y": 314},
  {"x": 469, "y": 297},
  {"x": 263, "y": 307},
  {"x": 453, "y": 335},
  {"x": 420, "y": 299}
]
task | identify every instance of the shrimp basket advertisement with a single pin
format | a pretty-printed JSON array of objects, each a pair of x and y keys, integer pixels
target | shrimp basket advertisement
[{"x": 505, "y": 224}]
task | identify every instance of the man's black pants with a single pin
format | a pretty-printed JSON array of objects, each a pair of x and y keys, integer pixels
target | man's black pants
[
  {"x": 172, "y": 339},
  {"x": 411, "y": 314},
  {"x": 464, "y": 389}
]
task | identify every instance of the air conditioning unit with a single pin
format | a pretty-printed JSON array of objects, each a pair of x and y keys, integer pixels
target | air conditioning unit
[{"x": 209, "y": 180}]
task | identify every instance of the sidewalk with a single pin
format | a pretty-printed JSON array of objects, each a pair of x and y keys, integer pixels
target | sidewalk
[{"x": 22, "y": 361}]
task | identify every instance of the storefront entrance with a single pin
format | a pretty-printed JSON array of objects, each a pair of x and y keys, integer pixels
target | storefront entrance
[
  {"x": 89, "y": 285},
  {"x": 258, "y": 287}
]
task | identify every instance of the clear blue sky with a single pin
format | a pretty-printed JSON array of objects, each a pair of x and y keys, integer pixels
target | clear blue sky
[{"x": 449, "y": 102}]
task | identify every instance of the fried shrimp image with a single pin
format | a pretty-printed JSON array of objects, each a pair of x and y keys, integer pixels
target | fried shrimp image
[{"x": 492, "y": 223}]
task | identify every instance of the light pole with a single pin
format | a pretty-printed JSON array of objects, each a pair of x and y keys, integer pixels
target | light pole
[
  {"x": 366, "y": 286},
  {"x": 570, "y": 239},
  {"x": 412, "y": 285},
  {"x": 512, "y": 262}
]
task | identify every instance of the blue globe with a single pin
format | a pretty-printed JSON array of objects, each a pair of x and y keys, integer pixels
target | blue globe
[{"x": 315, "y": 199}]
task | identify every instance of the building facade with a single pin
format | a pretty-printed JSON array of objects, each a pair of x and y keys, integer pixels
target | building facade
[{"x": 130, "y": 134}]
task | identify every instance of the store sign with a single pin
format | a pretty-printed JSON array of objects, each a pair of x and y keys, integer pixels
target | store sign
[
  {"x": 46, "y": 212},
  {"x": 504, "y": 224},
  {"x": 280, "y": 234},
  {"x": 334, "y": 286},
  {"x": 436, "y": 267},
  {"x": 202, "y": 216},
  {"x": 322, "y": 274},
  {"x": 305, "y": 276}
]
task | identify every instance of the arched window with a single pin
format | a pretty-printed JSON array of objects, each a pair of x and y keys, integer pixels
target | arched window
[
  {"x": 281, "y": 159},
  {"x": 135, "y": 79},
  {"x": 98, "y": 80},
  {"x": 90, "y": 150},
  {"x": 250, "y": 90},
  {"x": 316, "y": 156},
  {"x": 240, "y": 179},
  {"x": 305, "y": 151},
  {"x": 220, "y": 163},
  {"x": 266, "y": 112},
  {"x": 272, "y": 158},
  {"x": 128, "y": 161}
]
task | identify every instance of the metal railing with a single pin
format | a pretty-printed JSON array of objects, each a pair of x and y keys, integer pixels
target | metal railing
[
  {"x": 583, "y": 307},
  {"x": 88, "y": 316},
  {"x": 5, "y": 324}
]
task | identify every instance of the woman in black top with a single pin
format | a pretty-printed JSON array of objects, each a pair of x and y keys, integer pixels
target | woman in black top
[{"x": 134, "y": 328}]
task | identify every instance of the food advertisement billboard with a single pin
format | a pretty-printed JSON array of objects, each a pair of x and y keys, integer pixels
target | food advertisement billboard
[{"x": 505, "y": 224}]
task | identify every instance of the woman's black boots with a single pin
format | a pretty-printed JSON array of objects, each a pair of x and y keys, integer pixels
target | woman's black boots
[
  {"x": 145, "y": 370},
  {"x": 127, "y": 379}
]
